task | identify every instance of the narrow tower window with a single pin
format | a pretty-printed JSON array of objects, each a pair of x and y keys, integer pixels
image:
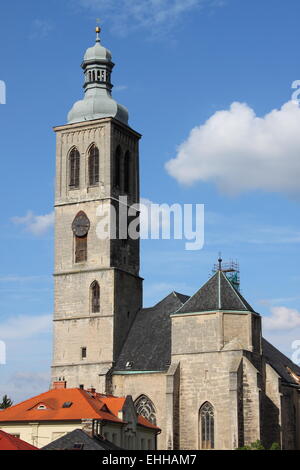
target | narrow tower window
[
  {"x": 117, "y": 171},
  {"x": 95, "y": 297},
  {"x": 74, "y": 168},
  {"x": 207, "y": 426},
  {"x": 93, "y": 165},
  {"x": 80, "y": 227},
  {"x": 127, "y": 172},
  {"x": 80, "y": 249},
  {"x": 83, "y": 353}
]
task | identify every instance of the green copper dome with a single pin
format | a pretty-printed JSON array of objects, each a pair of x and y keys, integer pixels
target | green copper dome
[{"x": 97, "y": 102}]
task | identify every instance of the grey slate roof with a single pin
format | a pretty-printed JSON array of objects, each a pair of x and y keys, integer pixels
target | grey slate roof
[
  {"x": 279, "y": 361},
  {"x": 217, "y": 294},
  {"x": 148, "y": 345},
  {"x": 79, "y": 437}
]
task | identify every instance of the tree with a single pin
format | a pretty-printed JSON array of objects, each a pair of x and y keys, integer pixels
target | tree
[
  {"x": 6, "y": 403},
  {"x": 257, "y": 445}
]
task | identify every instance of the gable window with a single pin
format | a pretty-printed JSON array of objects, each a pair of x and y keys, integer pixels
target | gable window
[
  {"x": 74, "y": 169},
  {"x": 117, "y": 169},
  {"x": 207, "y": 426},
  {"x": 95, "y": 297},
  {"x": 144, "y": 407},
  {"x": 93, "y": 165},
  {"x": 127, "y": 163}
]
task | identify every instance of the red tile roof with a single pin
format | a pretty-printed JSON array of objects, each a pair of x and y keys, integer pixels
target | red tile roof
[
  {"x": 115, "y": 404},
  {"x": 144, "y": 422},
  {"x": 84, "y": 406},
  {"x": 9, "y": 442}
]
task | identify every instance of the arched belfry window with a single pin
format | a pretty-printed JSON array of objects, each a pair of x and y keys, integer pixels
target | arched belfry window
[
  {"x": 95, "y": 297},
  {"x": 74, "y": 168},
  {"x": 127, "y": 163},
  {"x": 80, "y": 227},
  {"x": 93, "y": 165},
  {"x": 207, "y": 426},
  {"x": 117, "y": 168},
  {"x": 144, "y": 407}
]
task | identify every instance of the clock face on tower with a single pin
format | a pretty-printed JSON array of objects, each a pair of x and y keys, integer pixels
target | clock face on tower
[{"x": 81, "y": 225}]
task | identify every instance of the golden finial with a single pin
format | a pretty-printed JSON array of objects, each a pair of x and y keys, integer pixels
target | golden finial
[{"x": 98, "y": 30}]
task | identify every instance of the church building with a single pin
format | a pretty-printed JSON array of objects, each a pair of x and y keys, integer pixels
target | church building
[{"x": 198, "y": 366}]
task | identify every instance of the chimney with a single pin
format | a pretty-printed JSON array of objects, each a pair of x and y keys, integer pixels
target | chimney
[
  {"x": 59, "y": 384},
  {"x": 92, "y": 391}
]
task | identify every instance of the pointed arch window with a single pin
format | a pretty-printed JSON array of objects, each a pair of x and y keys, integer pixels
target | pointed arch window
[
  {"x": 95, "y": 297},
  {"x": 127, "y": 163},
  {"x": 144, "y": 407},
  {"x": 117, "y": 169},
  {"x": 93, "y": 165},
  {"x": 207, "y": 426},
  {"x": 74, "y": 168}
]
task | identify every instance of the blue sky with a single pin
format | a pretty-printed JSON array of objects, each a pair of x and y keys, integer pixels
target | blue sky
[{"x": 179, "y": 64}]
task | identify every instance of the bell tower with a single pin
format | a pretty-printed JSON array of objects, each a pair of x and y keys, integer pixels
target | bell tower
[{"x": 98, "y": 291}]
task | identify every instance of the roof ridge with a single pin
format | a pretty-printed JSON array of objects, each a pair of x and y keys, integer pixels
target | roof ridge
[
  {"x": 219, "y": 300},
  {"x": 177, "y": 294},
  {"x": 233, "y": 289},
  {"x": 238, "y": 294},
  {"x": 192, "y": 296},
  {"x": 90, "y": 399}
]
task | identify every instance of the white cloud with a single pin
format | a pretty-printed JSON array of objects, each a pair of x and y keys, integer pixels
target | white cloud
[
  {"x": 35, "y": 224},
  {"x": 282, "y": 318},
  {"x": 154, "y": 15},
  {"x": 239, "y": 151},
  {"x": 24, "y": 326}
]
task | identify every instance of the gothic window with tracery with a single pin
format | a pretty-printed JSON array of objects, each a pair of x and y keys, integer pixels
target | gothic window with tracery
[
  {"x": 93, "y": 165},
  {"x": 207, "y": 426},
  {"x": 144, "y": 407}
]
